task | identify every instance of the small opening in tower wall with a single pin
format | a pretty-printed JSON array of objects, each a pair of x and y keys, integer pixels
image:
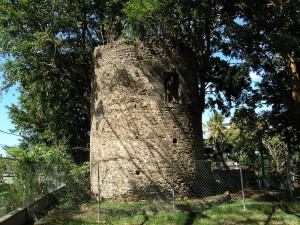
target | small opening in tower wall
[
  {"x": 137, "y": 172},
  {"x": 174, "y": 140},
  {"x": 171, "y": 85}
]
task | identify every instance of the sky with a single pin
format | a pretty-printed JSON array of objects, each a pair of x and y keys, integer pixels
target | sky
[
  {"x": 5, "y": 123},
  {"x": 6, "y": 99}
]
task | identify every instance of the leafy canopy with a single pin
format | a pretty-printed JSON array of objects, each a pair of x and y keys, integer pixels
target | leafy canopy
[{"x": 48, "y": 46}]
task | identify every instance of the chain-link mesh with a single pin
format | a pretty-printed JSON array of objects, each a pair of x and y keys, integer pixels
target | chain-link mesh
[
  {"x": 10, "y": 198},
  {"x": 37, "y": 187},
  {"x": 203, "y": 188},
  {"x": 200, "y": 188},
  {"x": 70, "y": 196}
]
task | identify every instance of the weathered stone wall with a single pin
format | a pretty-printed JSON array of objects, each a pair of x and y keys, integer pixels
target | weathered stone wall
[{"x": 135, "y": 120}]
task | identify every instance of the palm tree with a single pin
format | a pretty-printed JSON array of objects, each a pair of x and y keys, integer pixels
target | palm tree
[{"x": 217, "y": 134}]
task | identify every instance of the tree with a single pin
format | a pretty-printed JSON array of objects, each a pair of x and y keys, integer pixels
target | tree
[
  {"x": 217, "y": 128},
  {"x": 250, "y": 133},
  {"x": 48, "y": 47},
  {"x": 39, "y": 170},
  {"x": 276, "y": 149},
  {"x": 197, "y": 25},
  {"x": 267, "y": 37},
  {"x": 253, "y": 128},
  {"x": 218, "y": 136}
]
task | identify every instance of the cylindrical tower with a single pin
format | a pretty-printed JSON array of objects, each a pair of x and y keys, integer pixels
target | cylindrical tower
[{"x": 145, "y": 119}]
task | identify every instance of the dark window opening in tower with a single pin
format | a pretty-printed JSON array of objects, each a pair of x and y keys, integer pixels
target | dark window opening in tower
[
  {"x": 174, "y": 140},
  {"x": 171, "y": 85}
]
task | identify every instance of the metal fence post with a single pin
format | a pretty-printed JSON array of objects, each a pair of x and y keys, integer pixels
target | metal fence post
[
  {"x": 174, "y": 150},
  {"x": 98, "y": 192},
  {"x": 173, "y": 191},
  {"x": 243, "y": 194},
  {"x": 29, "y": 190}
]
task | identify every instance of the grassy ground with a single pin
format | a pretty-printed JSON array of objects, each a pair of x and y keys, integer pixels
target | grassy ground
[{"x": 116, "y": 213}]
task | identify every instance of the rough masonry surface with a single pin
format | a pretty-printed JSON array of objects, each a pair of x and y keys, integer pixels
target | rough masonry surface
[{"x": 144, "y": 119}]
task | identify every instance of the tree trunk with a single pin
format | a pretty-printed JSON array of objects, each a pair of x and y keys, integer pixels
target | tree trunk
[{"x": 295, "y": 88}]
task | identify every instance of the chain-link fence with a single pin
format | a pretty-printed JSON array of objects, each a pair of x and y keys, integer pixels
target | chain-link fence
[
  {"x": 279, "y": 175},
  {"x": 205, "y": 187},
  {"x": 25, "y": 184},
  {"x": 7, "y": 194}
]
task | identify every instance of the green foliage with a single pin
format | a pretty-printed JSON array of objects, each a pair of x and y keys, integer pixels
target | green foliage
[
  {"x": 251, "y": 129},
  {"x": 197, "y": 25},
  {"x": 48, "y": 47},
  {"x": 276, "y": 150},
  {"x": 267, "y": 38},
  {"x": 39, "y": 170},
  {"x": 216, "y": 126},
  {"x": 220, "y": 146},
  {"x": 147, "y": 18}
]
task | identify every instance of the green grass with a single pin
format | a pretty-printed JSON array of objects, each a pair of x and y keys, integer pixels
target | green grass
[
  {"x": 255, "y": 213},
  {"x": 117, "y": 213}
]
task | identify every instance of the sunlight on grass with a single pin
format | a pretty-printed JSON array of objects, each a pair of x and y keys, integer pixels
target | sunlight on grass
[
  {"x": 123, "y": 205},
  {"x": 68, "y": 220},
  {"x": 118, "y": 213},
  {"x": 176, "y": 218},
  {"x": 126, "y": 219},
  {"x": 255, "y": 213}
]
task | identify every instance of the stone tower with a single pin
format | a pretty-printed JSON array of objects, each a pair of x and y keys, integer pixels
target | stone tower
[{"x": 144, "y": 119}]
